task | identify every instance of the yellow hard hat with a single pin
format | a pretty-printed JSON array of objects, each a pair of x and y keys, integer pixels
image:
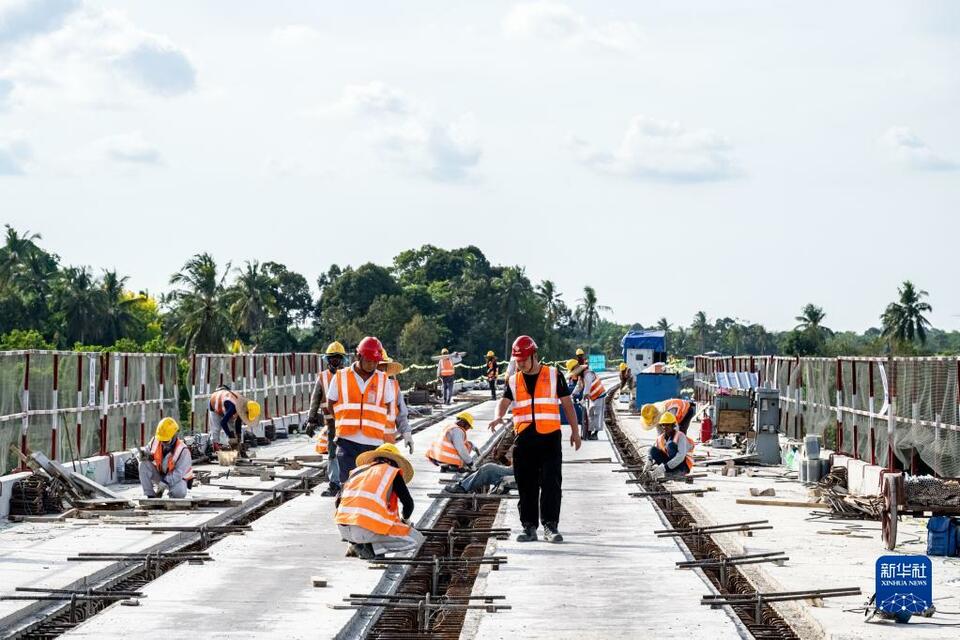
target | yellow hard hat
[
  {"x": 335, "y": 349},
  {"x": 253, "y": 410},
  {"x": 491, "y": 354},
  {"x": 571, "y": 363},
  {"x": 623, "y": 365},
  {"x": 580, "y": 352},
  {"x": 444, "y": 351},
  {"x": 467, "y": 417},
  {"x": 649, "y": 413},
  {"x": 166, "y": 429},
  {"x": 668, "y": 418}
]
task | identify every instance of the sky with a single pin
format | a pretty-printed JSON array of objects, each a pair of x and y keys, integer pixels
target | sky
[{"x": 742, "y": 158}]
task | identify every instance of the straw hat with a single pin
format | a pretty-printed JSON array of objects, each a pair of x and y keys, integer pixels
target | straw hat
[
  {"x": 389, "y": 366},
  {"x": 390, "y": 452}
]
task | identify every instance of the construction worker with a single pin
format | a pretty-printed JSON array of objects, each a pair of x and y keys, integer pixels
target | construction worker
[
  {"x": 581, "y": 356},
  {"x": 359, "y": 397},
  {"x": 451, "y": 451},
  {"x": 446, "y": 372},
  {"x": 367, "y": 512},
  {"x": 672, "y": 452},
  {"x": 537, "y": 393},
  {"x": 491, "y": 475},
  {"x": 166, "y": 463},
  {"x": 682, "y": 410},
  {"x": 397, "y": 416},
  {"x": 335, "y": 355},
  {"x": 491, "y": 374},
  {"x": 626, "y": 378},
  {"x": 229, "y": 411},
  {"x": 589, "y": 385}
]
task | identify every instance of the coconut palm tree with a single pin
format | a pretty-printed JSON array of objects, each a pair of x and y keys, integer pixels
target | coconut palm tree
[
  {"x": 699, "y": 329},
  {"x": 250, "y": 300},
  {"x": 811, "y": 318},
  {"x": 81, "y": 302},
  {"x": 117, "y": 311},
  {"x": 510, "y": 287},
  {"x": 903, "y": 321},
  {"x": 588, "y": 311},
  {"x": 17, "y": 248},
  {"x": 200, "y": 321}
]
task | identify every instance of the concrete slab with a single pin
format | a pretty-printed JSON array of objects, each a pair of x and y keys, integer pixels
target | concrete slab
[
  {"x": 823, "y": 553},
  {"x": 261, "y": 584}
]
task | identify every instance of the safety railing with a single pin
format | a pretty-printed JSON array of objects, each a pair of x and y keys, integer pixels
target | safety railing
[
  {"x": 281, "y": 382},
  {"x": 876, "y": 409},
  {"x": 73, "y": 405}
]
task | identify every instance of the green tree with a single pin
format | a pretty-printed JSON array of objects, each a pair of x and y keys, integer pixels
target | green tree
[
  {"x": 419, "y": 338},
  {"x": 118, "y": 308},
  {"x": 588, "y": 310},
  {"x": 700, "y": 330},
  {"x": 199, "y": 320},
  {"x": 250, "y": 300},
  {"x": 510, "y": 287},
  {"x": 81, "y": 304},
  {"x": 903, "y": 321}
]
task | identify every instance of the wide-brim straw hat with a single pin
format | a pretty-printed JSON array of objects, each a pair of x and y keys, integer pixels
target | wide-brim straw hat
[
  {"x": 390, "y": 452},
  {"x": 391, "y": 367}
]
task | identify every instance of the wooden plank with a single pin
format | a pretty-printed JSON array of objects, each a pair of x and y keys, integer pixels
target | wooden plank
[{"x": 783, "y": 503}]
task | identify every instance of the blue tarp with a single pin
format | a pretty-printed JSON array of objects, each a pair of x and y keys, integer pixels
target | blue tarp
[{"x": 655, "y": 340}]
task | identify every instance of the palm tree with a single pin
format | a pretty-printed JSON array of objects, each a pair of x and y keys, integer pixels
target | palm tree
[
  {"x": 117, "y": 310},
  {"x": 699, "y": 329},
  {"x": 510, "y": 287},
  {"x": 904, "y": 321},
  {"x": 17, "y": 248},
  {"x": 250, "y": 300},
  {"x": 663, "y": 325},
  {"x": 588, "y": 311},
  {"x": 810, "y": 318},
  {"x": 552, "y": 304},
  {"x": 199, "y": 316},
  {"x": 81, "y": 302}
]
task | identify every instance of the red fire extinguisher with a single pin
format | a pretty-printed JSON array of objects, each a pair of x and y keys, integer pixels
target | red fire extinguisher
[{"x": 706, "y": 429}]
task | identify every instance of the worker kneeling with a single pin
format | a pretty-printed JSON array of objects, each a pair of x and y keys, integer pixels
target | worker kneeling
[
  {"x": 367, "y": 511},
  {"x": 451, "y": 450},
  {"x": 166, "y": 463},
  {"x": 672, "y": 452}
]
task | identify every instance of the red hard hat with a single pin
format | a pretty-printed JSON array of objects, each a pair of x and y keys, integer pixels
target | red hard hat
[
  {"x": 523, "y": 347},
  {"x": 370, "y": 348}
]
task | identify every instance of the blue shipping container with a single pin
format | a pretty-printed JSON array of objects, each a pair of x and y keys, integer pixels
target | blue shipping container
[{"x": 654, "y": 387}]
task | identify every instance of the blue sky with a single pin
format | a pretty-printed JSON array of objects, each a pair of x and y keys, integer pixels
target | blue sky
[{"x": 740, "y": 158}]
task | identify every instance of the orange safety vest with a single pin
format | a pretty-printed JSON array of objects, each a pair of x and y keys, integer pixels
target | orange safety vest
[
  {"x": 360, "y": 413},
  {"x": 323, "y": 443},
  {"x": 679, "y": 408},
  {"x": 446, "y": 367},
  {"x": 596, "y": 389},
  {"x": 217, "y": 398},
  {"x": 156, "y": 450},
  {"x": 442, "y": 451},
  {"x": 543, "y": 408},
  {"x": 662, "y": 445},
  {"x": 367, "y": 500},
  {"x": 390, "y": 435}
]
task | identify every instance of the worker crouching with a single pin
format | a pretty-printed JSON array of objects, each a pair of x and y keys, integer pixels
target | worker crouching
[
  {"x": 166, "y": 463},
  {"x": 229, "y": 412},
  {"x": 672, "y": 452},
  {"x": 367, "y": 510},
  {"x": 451, "y": 451}
]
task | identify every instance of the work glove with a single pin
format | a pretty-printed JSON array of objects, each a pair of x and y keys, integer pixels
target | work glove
[
  {"x": 408, "y": 440},
  {"x": 658, "y": 472},
  {"x": 311, "y": 429}
]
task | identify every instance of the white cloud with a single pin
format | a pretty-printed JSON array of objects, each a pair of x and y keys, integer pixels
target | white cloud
[
  {"x": 908, "y": 150},
  {"x": 93, "y": 57},
  {"x": 295, "y": 35},
  {"x": 14, "y": 155},
  {"x": 657, "y": 150},
  {"x": 127, "y": 149},
  {"x": 408, "y": 133},
  {"x": 6, "y": 90},
  {"x": 554, "y": 22},
  {"x": 22, "y": 19}
]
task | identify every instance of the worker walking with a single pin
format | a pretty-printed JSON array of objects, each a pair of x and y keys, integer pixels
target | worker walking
[
  {"x": 491, "y": 374},
  {"x": 451, "y": 451},
  {"x": 166, "y": 463},
  {"x": 326, "y": 445},
  {"x": 229, "y": 411},
  {"x": 398, "y": 423},
  {"x": 537, "y": 392},
  {"x": 359, "y": 398},
  {"x": 589, "y": 385},
  {"x": 367, "y": 511},
  {"x": 672, "y": 452},
  {"x": 446, "y": 372}
]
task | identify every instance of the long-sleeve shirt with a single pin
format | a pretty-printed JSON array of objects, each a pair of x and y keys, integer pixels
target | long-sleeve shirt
[
  {"x": 403, "y": 495},
  {"x": 403, "y": 423},
  {"x": 318, "y": 401},
  {"x": 182, "y": 465},
  {"x": 455, "y": 359},
  {"x": 683, "y": 448},
  {"x": 458, "y": 438}
]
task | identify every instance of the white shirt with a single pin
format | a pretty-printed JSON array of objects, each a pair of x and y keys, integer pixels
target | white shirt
[{"x": 333, "y": 392}]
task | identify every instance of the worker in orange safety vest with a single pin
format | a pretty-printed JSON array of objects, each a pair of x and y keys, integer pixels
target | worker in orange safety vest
[
  {"x": 166, "y": 463},
  {"x": 451, "y": 451},
  {"x": 673, "y": 451}
]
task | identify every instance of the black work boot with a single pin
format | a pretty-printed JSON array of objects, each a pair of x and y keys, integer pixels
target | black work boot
[
  {"x": 331, "y": 490},
  {"x": 529, "y": 535},
  {"x": 550, "y": 533}
]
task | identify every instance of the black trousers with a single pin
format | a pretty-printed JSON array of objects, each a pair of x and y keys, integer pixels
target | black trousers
[
  {"x": 537, "y": 464},
  {"x": 493, "y": 389}
]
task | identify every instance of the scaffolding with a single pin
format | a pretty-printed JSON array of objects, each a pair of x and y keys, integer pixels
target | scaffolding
[{"x": 882, "y": 410}]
